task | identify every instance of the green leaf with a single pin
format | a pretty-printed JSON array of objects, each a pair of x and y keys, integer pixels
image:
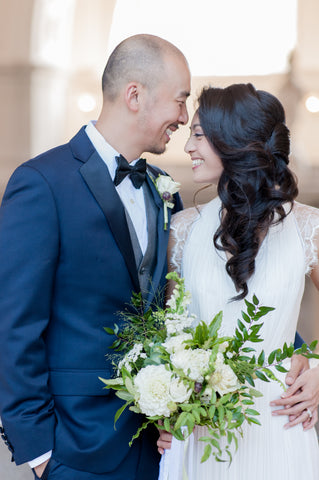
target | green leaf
[
  {"x": 123, "y": 395},
  {"x": 261, "y": 358},
  {"x": 264, "y": 310},
  {"x": 255, "y": 393},
  {"x": 250, "y": 380},
  {"x": 167, "y": 425},
  {"x": 280, "y": 368},
  {"x": 253, "y": 420},
  {"x": 129, "y": 386},
  {"x": 271, "y": 357},
  {"x": 261, "y": 376},
  {"x": 224, "y": 399},
  {"x": 108, "y": 330},
  {"x": 247, "y": 402},
  {"x": 196, "y": 416},
  {"x": 216, "y": 445},
  {"x": 215, "y": 324},
  {"x": 245, "y": 317},
  {"x": 137, "y": 434},
  {"x": 221, "y": 413},
  {"x": 207, "y": 453},
  {"x": 213, "y": 397},
  {"x": 250, "y": 411},
  {"x": 112, "y": 381},
  {"x": 134, "y": 409},
  {"x": 240, "y": 325},
  {"x": 211, "y": 411},
  {"x": 255, "y": 300},
  {"x": 119, "y": 412},
  {"x": 181, "y": 421}
]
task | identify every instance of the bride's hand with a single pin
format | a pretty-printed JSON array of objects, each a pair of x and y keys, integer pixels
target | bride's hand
[
  {"x": 164, "y": 442},
  {"x": 300, "y": 401}
]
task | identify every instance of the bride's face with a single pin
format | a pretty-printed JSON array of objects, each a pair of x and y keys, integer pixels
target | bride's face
[{"x": 206, "y": 164}]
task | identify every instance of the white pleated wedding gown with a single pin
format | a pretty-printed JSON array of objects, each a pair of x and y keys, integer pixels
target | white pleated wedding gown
[{"x": 267, "y": 452}]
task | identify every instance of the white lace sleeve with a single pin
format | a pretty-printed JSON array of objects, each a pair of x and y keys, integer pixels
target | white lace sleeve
[
  {"x": 308, "y": 223},
  {"x": 181, "y": 224}
]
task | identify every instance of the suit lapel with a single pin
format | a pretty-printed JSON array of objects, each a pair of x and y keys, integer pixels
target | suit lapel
[
  {"x": 96, "y": 175},
  {"x": 162, "y": 237}
]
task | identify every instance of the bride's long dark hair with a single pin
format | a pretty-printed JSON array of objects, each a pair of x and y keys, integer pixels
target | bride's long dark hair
[{"x": 246, "y": 128}]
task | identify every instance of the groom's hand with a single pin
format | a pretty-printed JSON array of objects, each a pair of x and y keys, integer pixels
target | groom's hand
[
  {"x": 40, "y": 468},
  {"x": 299, "y": 364}
]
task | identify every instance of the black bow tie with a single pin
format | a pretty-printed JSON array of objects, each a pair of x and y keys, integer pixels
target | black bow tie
[{"x": 136, "y": 172}]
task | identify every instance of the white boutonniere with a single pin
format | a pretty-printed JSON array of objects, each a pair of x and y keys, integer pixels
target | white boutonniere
[{"x": 166, "y": 187}]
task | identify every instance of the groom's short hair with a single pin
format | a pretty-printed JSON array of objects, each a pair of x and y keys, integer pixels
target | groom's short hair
[{"x": 138, "y": 58}]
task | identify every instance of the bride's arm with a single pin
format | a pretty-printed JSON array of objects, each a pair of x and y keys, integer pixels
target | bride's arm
[{"x": 302, "y": 397}]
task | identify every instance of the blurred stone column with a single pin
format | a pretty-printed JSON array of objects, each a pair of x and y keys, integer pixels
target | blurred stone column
[{"x": 15, "y": 81}]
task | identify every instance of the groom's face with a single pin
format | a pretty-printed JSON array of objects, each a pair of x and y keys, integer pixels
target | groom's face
[{"x": 165, "y": 106}]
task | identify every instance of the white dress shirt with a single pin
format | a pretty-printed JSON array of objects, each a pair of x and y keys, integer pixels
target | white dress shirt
[{"x": 132, "y": 199}]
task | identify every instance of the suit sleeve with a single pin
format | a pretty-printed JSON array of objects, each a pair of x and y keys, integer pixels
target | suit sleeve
[
  {"x": 28, "y": 256},
  {"x": 298, "y": 341}
]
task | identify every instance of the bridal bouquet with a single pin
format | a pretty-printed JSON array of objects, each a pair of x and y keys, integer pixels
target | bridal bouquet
[{"x": 180, "y": 375}]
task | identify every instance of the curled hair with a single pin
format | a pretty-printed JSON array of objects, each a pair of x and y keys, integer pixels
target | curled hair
[{"x": 246, "y": 128}]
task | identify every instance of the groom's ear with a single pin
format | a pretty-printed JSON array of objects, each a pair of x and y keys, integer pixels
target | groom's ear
[{"x": 132, "y": 96}]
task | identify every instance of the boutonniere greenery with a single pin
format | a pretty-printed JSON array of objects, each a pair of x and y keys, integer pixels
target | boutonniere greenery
[{"x": 166, "y": 187}]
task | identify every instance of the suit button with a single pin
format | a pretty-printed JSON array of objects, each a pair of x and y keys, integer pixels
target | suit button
[{"x": 143, "y": 270}]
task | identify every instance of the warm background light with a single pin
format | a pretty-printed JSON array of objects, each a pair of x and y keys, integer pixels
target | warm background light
[
  {"x": 312, "y": 104},
  {"x": 86, "y": 102}
]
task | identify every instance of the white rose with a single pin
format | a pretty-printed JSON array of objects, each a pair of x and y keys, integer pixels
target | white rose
[
  {"x": 223, "y": 380},
  {"x": 194, "y": 363},
  {"x": 153, "y": 386},
  {"x": 165, "y": 183},
  {"x": 176, "y": 343},
  {"x": 179, "y": 392}
]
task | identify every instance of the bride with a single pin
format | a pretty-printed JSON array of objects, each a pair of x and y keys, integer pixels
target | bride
[{"x": 254, "y": 238}]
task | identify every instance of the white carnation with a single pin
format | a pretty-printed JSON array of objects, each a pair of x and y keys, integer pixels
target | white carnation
[
  {"x": 179, "y": 392},
  {"x": 194, "y": 363},
  {"x": 176, "y": 343},
  {"x": 153, "y": 386},
  {"x": 223, "y": 380}
]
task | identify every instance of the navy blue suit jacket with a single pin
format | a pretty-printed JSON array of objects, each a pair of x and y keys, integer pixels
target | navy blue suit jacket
[{"x": 66, "y": 266}]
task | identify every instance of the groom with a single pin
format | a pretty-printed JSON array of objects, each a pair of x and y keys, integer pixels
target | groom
[{"x": 81, "y": 227}]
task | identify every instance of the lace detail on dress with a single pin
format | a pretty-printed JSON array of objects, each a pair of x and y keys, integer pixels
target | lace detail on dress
[
  {"x": 308, "y": 223},
  {"x": 181, "y": 224}
]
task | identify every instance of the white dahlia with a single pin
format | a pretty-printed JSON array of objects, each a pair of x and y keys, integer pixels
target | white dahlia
[{"x": 153, "y": 386}]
